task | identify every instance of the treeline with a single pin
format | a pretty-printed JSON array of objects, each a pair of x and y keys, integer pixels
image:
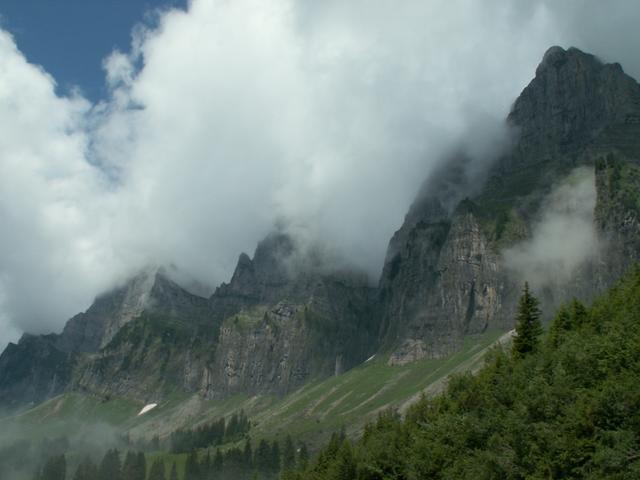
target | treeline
[
  {"x": 211, "y": 434},
  {"x": 267, "y": 461},
  {"x": 561, "y": 405}
]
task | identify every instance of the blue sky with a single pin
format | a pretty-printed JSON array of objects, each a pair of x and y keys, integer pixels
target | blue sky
[{"x": 70, "y": 38}]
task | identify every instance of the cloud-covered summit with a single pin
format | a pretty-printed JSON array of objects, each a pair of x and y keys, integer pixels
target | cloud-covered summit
[{"x": 233, "y": 116}]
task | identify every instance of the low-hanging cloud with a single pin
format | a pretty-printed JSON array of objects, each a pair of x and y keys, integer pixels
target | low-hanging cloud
[
  {"x": 229, "y": 117},
  {"x": 565, "y": 236}
]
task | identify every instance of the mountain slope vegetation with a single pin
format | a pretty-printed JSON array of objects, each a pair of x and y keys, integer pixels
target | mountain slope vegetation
[{"x": 569, "y": 410}]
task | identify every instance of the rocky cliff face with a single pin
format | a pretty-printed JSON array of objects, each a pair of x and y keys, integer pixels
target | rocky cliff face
[
  {"x": 86, "y": 354},
  {"x": 273, "y": 327},
  {"x": 445, "y": 275},
  {"x": 286, "y": 324}
]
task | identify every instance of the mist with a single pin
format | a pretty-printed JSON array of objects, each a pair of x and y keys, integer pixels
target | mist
[
  {"x": 565, "y": 236},
  {"x": 228, "y": 118}
]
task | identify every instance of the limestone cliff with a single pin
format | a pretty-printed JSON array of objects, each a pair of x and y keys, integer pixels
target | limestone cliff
[{"x": 445, "y": 275}]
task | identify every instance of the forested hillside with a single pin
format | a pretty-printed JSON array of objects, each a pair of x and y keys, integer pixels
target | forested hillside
[{"x": 568, "y": 409}]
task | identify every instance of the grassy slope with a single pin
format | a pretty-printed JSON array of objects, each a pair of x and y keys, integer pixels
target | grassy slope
[{"x": 311, "y": 413}]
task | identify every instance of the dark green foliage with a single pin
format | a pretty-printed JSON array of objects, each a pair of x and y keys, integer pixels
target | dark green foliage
[
  {"x": 54, "y": 469},
  {"x": 156, "y": 472},
  {"x": 288, "y": 454},
  {"x": 247, "y": 454},
  {"x": 110, "y": 467},
  {"x": 174, "y": 472},
  {"x": 274, "y": 461},
  {"x": 262, "y": 456},
  {"x": 192, "y": 467},
  {"x": 211, "y": 434},
  {"x": 87, "y": 470},
  {"x": 528, "y": 326},
  {"x": 303, "y": 456},
  {"x": 218, "y": 461},
  {"x": 567, "y": 318},
  {"x": 569, "y": 408},
  {"x": 134, "y": 466}
]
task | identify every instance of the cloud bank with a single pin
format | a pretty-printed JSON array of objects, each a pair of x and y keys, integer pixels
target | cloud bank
[
  {"x": 564, "y": 238},
  {"x": 232, "y": 116}
]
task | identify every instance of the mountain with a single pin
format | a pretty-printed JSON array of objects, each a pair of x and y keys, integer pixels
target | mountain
[
  {"x": 273, "y": 327},
  {"x": 39, "y": 367},
  {"x": 567, "y": 410},
  {"x": 445, "y": 274},
  {"x": 286, "y": 319}
]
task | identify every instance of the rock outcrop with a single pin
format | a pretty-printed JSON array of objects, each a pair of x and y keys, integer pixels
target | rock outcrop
[
  {"x": 444, "y": 275},
  {"x": 286, "y": 324}
]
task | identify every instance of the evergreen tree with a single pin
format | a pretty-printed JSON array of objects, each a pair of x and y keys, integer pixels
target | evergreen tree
[
  {"x": 55, "y": 468},
  {"x": 528, "y": 327},
  {"x": 110, "y": 468},
  {"x": 263, "y": 456},
  {"x": 274, "y": 461},
  {"x": 303, "y": 456},
  {"x": 87, "y": 470},
  {"x": 192, "y": 467},
  {"x": 174, "y": 472},
  {"x": 247, "y": 453},
  {"x": 232, "y": 427},
  {"x": 345, "y": 465},
  {"x": 141, "y": 470},
  {"x": 157, "y": 471},
  {"x": 288, "y": 454},
  {"x": 218, "y": 462}
]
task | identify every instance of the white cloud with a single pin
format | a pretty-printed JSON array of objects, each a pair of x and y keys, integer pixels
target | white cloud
[
  {"x": 563, "y": 238},
  {"x": 230, "y": 116}
]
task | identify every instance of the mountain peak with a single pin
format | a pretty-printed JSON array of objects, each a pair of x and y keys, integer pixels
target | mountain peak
[
  {"x": 572, "y": 99},
  {"x": 150, "y": 290}
]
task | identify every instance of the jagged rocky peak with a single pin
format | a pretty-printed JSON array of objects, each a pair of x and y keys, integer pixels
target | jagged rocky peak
[
  {"x": 572, "y": 98},
  {"x": 150, "y": 290},
  {"x": 444, "y": 275}
]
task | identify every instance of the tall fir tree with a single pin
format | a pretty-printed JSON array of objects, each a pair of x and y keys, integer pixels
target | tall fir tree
[
  {"x": 262, "y": 456},
  {"x": 288, "y": 454},
  {"x": 303, "y": 456},
  {"x": 528, "y": 326},
  {"x": 192, "y": 467},
  {"x": 55, "y": 468},
  {"x": 157, "y": 472},
  {"x": 110, "y": 467},
  {"x": 87, "y": 470},
  {"x": 174, "y": 472},
  {"x": 274, "y": 461},
  {"x": 247, "y": 453}
]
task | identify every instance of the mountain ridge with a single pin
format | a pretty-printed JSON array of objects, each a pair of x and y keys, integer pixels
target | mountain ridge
[{"x": 284, "y": 318}]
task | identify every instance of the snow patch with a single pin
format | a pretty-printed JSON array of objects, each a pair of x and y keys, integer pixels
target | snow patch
[{"x": 146, "y": 408}]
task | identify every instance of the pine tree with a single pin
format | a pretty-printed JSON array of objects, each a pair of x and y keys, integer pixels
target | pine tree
[
  {"x": 218, "y": 462},
  {"x": 157, "y": 471},
  {"x": 262, "y": 456},
  {"x": 174, "y": 472},
  {"x": 192, "y": 467},
  {"x": 110, "y": 468},
  {"x": 141, "y": 470},
  {"x": 288, "y": 454},
  {"x": 303, "y": 456},
  {"x": 528, "y": 327},
  {"x": 274, "y": 461},
  {"x": 55, "y": 468},
  {"x": 87, "y": 470},
  {"x": 247, "y": 453}
]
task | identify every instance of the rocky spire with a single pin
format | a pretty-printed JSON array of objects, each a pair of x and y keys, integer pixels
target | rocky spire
[{"x": 572, "y": 99}]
